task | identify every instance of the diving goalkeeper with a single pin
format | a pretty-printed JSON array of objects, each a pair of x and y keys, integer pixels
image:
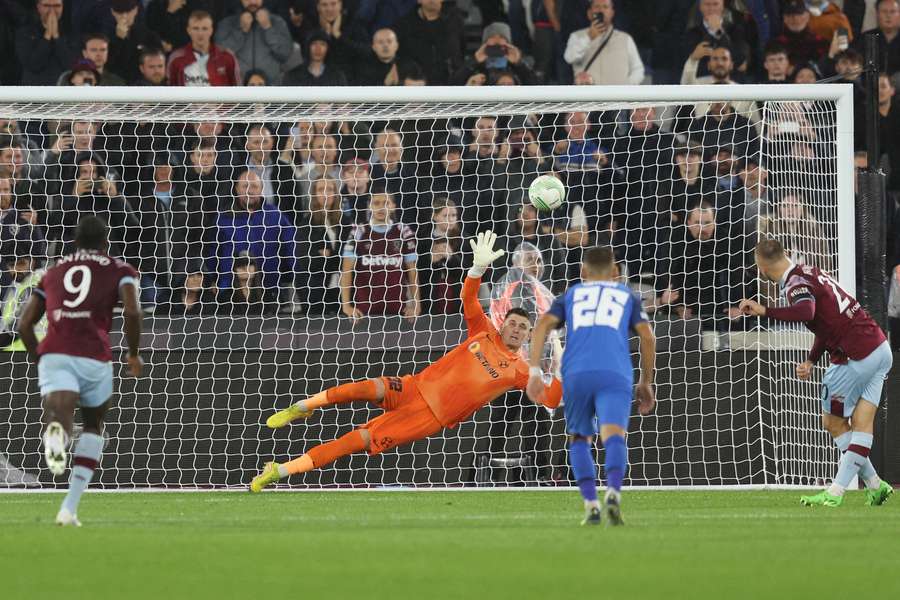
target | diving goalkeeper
[{"x": 486, "y": 365}]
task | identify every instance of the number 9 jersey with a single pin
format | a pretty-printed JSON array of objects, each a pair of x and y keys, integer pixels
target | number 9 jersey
[
  {"x": 80, "y": 293},
  {"x": 599, "y": 317}
]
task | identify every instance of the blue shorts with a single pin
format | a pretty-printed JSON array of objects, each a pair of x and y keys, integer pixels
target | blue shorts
[
  {"x": 91, "y": 379},
  {"x": 596, "y": 397},
  {"x": 843, "y": 385}
]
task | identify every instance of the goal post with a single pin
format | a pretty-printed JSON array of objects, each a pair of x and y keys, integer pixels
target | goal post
[{"x": 454, "y": 160}]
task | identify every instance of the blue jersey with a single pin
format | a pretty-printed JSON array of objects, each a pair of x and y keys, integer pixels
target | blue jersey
[{"x": 599, "y": 317}]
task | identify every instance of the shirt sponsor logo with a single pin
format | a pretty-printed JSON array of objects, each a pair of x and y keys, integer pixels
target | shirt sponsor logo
[
  {"x": 475, "y": 349},
  {"x": 381, "y": 261},
  {"x": 800, "y": 291},
  {"x": 59, "y": 314}
]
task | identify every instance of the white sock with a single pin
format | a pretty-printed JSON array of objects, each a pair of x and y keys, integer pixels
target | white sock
[
  {"x": 874, "y": 482},
  {"x": 301, "y": 405},
  {"x": 589, "y": 504},
  {"x": 836, "y": 489},
  {"x": 282, "y": 471},
  {"x": 614, "y": 494}
]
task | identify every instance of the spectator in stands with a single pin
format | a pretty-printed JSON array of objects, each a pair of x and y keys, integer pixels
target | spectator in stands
[
  {"x": 378, "y": 262},
  {"x": 128, "y": 38},
  {"x": 777, "y": 64},
  {"x": 321, "y": 161},
  {"x": 260, "y": 40},
  {"x": 202, "y": 63},
  {"x": 721, "y": 68},
  {"x": 495, "y": 56},
  {"x": 355, "y": 182},
  {"x": 798, "y": 230},
  {"x": 247, "y": 295},
  {"x": 196, "y": 203},
  {"x": 802, "y": 44},
  {"x": 519, "y": 160},
  {"x": 440, "y": 267},
  {"x": 718, "y": 26},
  {"x": 696, "y": 275},
  {"x": 94, "y": 191},
  {"x": 889, "y": 128},
  {"x": 258, "y": 228},
  {"x": 152, "y": 67},
  {"x": 432, "y": 37},
  {"x": 21, "y": 165},
  {"x": 21, "y": 275},
  {"x": 395, "y": 175},
  {"x": 347, "y": 38},
  {"x": 191, "y": 295},
  {"x": 722, "y": 126},
  {"x": 671, "y": 22},
  {"x": 578, "y": 150},
  {"x": 478, "y": 163},
  {"x": 83, "y": 72},
  {"x": 826, "y": 19},
  {"x": 379, "y": 67},
  {"x": 754, "y": 194},
  {"x": 18, "y": 225},
  {"x": 687, "y": 186},
  {"x": 255, "y": 78},
  {"x": 152, "y": 206},
  {"x": 320, "y": 235},
  {"x": 609, "y": 55},
  {"x": 527, "y": 227},
  {"x": 43, "y": 51},
  {"x": 96, "y": 49},
  {"x": 278, "y": 182},
  {"x": 411, "y": 74},
  {"x": 807, "y": 73},
  {"x": 169, "y": 19},
  {"x": 69, "y": 139},
  {"x": 888, "y": 12},
  {"x": 316, "y": 70}
]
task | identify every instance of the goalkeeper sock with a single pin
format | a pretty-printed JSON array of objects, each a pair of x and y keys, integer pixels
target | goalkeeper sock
[
  {"x": 616, "y": 461},
  {"x": 867, "y": 472},
  {"x": 324, "y": 454},
  {"x": 851, "y": 462},
  {"x": 85, "y": 461},
  {"x": 583, "y": 468}
]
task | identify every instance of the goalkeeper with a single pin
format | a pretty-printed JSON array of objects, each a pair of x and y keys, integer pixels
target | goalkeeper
[{"x": 486, "y": 365}]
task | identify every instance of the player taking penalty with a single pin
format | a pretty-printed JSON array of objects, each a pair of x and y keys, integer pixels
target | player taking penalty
[
  {"x": 74, "y": 359},
  {"x": 860, "y": 360},
  {"x": 486, "y": 365},
  {"x": 599, "y": 314}
]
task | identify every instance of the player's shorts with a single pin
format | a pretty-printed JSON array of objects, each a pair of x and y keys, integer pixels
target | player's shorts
[
  {"x": 595, "y": 398},
  {"x": 406, "y": 418},
  {"x": 843, "y": 385},
  {"x": 91, "y": 379}
]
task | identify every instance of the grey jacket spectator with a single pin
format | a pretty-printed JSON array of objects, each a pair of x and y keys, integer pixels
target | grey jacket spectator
[
  {"x": 434, "y": 39},
  {"x": 43, "y": 51},
  {"x": 260, "y": 39}
]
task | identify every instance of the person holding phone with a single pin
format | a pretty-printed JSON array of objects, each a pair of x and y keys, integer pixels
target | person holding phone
[
  {"x": 497, "y": 54},
  {"x": 828, "y": 21},
  {"x": 610, "y": 56}
]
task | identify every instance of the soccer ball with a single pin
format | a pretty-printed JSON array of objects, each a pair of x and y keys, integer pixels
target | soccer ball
[{"x": 546, "y": 193}]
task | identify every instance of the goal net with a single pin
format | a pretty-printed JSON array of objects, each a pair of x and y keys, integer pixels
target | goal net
[{"x": 286, "y": 246}]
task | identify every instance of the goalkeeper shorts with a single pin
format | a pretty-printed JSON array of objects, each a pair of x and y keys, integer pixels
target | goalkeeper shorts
[{"x": 406, "y": 418}]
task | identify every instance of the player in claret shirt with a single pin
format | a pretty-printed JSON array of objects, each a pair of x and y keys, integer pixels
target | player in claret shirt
[
  {"x": 74, "y": 359},
  {"x": 486, "y": 365},
  {"x": 860, "y": 360}
]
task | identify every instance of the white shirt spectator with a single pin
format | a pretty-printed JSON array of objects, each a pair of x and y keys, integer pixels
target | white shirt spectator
[{"x": 618, "y": 64}]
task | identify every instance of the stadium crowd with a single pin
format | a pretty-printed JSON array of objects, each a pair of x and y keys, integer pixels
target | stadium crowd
[{"x": 363, "y": 218}]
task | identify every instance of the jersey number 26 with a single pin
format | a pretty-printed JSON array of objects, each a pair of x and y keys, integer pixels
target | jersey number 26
[{"x": 596, "y": 305}]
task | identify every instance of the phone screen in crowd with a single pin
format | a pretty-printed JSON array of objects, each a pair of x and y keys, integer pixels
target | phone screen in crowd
[{"x": 599, "y": 17}]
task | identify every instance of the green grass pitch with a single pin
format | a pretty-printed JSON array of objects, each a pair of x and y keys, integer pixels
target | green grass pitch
[{"x": 425, "y": 545}]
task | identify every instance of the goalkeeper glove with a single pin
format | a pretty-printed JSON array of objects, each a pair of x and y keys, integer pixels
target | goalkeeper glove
[{"x": 483, "y": 253}]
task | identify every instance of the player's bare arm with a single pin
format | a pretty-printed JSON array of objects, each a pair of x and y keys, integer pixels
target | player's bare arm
[
  {"x": 646, "y": 396},
  {"x": 133, "y": 316}
]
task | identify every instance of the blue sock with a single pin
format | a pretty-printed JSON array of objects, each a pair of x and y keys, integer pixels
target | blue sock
[
  {"x": 85, "y": 460},
  {"x": 866, "y": 472},
  {"x": 852, "y": 461},
  {"x": 616, "y": 461},
  {"x": 583, "y": 468},
  {"x": 843, "y": 441}
]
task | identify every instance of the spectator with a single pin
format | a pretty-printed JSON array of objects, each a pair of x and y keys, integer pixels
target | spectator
[
  {"x": 152, "y": 67},
  {"x": 609, "y": 55},
  {"x": 862, "y": 14},
  {"x": 321, "y": 161},
  {"x": 754, "y": 194},
  {"x": 527, "y": 229},
  {"x": 807, "y": 73},
  {"x": 195, "y": 203},
  {"x": 668, "y": 42},
  {"x": 379, "y": 260},
  {"x": 687, "y": 186},
  {"x": 278, "y": 182},
  {"x": 394, "y": 175},
  {"x": 889, "y": 128},
  {"x": 42, "y": 49},
  {"x": 718, "y": 27},
  {"x": 519, "y": 160},
  {"x": 255, "y": 78},
  {"x": 802, "y": 44},
  {"x": 130, "y": 37},
  {"x": 799, "y": 232},
  {"x": 95, "y": 48},
  {"x": 200, "y": 62},
  {"x": 380, "y": 65},
  {"x": 411, "y": 74},
  {"x": 152, "y": 206},
  {"x": 722, "y": 126},
  {"x": 260, "y": 40},
  {"x": 316, "y": 70},
  {"x": 19, "y": 228},
  {"x": 169, "y": 19},
  {"x": 347, "y": 38},
  {"x": 434, "y": 39},
  {"x": 826, "y": 19},
  {"x": 495, "y": 57},
  {"x": 21, "y": 276},
  {"x": 247, "y": 295},
  {"x": 696, "y": 277},
  {"x": 68, "y": 141},
  {"x": 888, "y": 13},
  {"x": 258, "y": 228},
  {"x": 21, "y": 164},
  {"x": 83, "y": 72},
  {"x": 355, "y": 182},
  {"x": 721, "y": 68},
  {"x": 441, "y": 260},
  {"x": 319, "y": 250},
  {"x": 777, "y": 64},
  {"x": 191, "y": 296}
]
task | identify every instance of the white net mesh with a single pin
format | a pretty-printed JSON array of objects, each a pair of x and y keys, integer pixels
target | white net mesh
[{"x": 260, "y": 229}]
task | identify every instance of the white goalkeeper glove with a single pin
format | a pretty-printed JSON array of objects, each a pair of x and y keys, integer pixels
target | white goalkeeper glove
[{"x": 483, "y": 253}]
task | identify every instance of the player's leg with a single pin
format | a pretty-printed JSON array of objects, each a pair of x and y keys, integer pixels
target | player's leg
[
  {"x": 85, "y": 460},
  {"x": 370, "y": 390},
  {"x": 581, "y": 427},
  {"x": 59, "y": 409},
  {"x": 613, "y": 411}
]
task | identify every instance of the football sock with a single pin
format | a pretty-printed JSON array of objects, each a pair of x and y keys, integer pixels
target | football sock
[
  {"x": 85, "y": 460},
  {"x": 867, "y": 472},
  {"x": 583, "y": 468},
  {"x": 616, "y": 461},
  {"x": 324, "y": 454},
  {"x": 851, "y": 462}
]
